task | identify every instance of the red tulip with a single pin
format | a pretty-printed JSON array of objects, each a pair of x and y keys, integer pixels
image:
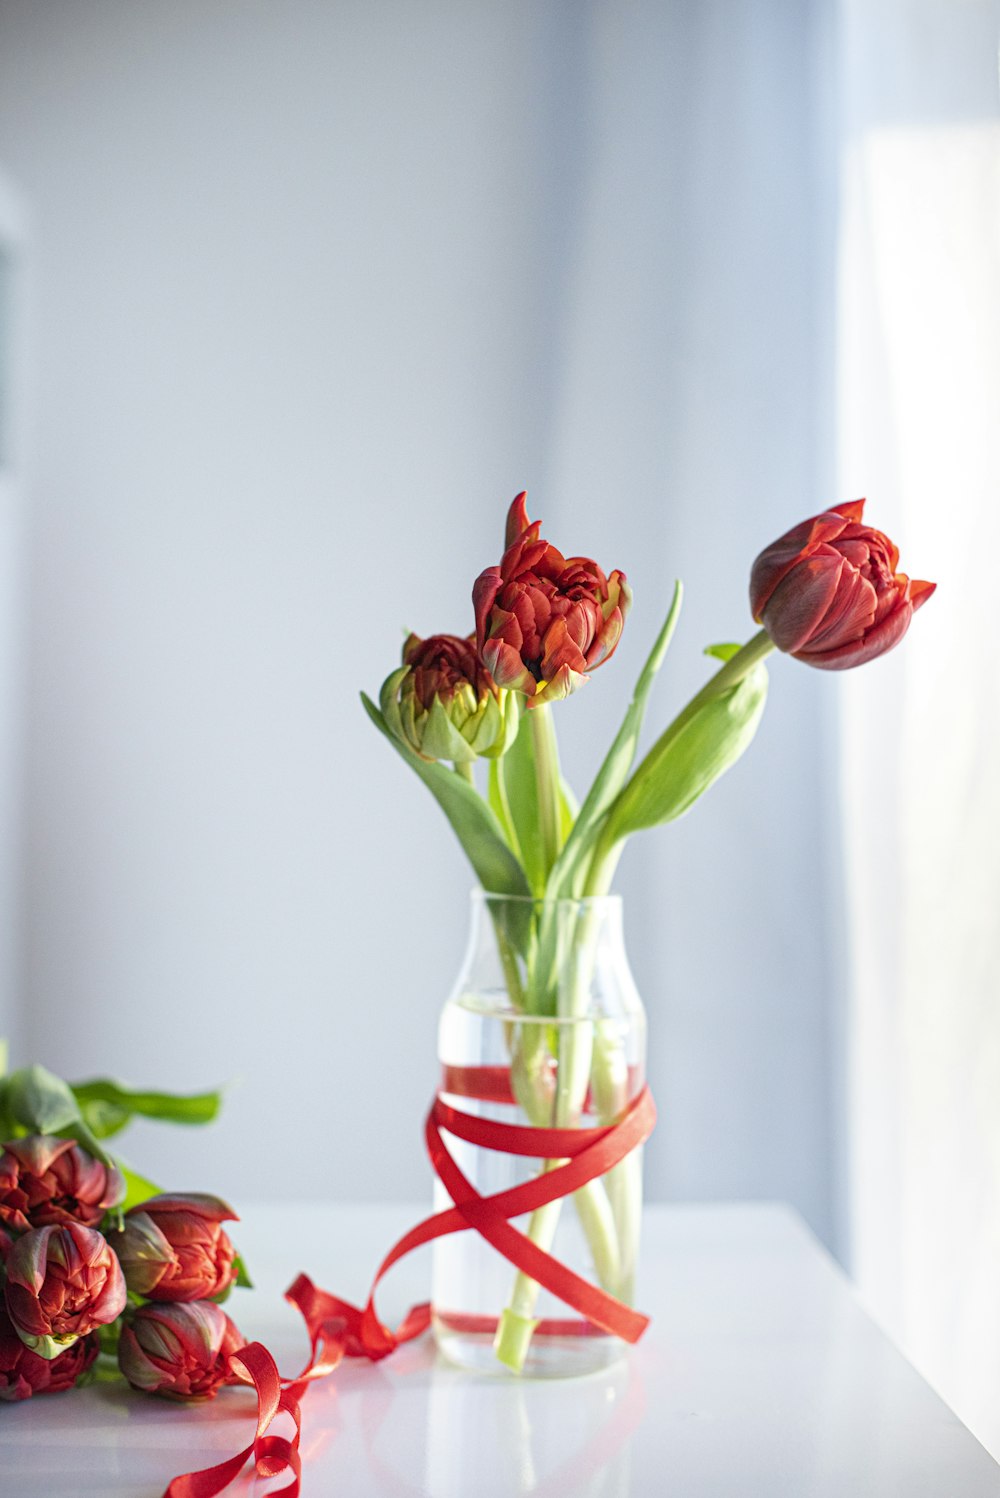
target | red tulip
[
  {"x": 174, "y": 1248},
  {"x": 23, "y": 1373},
  {"x": 62, "y": 1282},
  {"x": 444, "y": 704},
  {"x": 543, "y": 620},
  {"x": 45, "y": 1180},
  {"x": 829, "y": 594},
  {"x": 180, "y": 1351}
]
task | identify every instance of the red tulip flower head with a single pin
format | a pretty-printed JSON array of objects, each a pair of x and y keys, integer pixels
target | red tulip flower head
[
  {"x": 444, "y": 704},
  {"x": 829, "y": 594},
  {"x": 179, "y": 1351},
  {"x": 45, "y": 1180},
  {"x": 175, "y": 1247},
  {"x": 23, "y": 1373},
  {"x": 62, "y": 1282},
  {"x": 543, "y": 621}
]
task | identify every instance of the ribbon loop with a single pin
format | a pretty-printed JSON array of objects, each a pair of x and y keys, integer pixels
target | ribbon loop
[{"x": 338, "y": 1329}]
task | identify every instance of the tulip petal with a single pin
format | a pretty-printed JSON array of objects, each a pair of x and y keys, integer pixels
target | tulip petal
[
  {"x": 801, "y": 600},
  {"x": 882, "y": 637},
  {"x": 517, "y": 519}
]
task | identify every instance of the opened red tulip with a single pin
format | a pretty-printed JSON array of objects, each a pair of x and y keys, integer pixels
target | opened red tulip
[
  {"x": 543, "y": 621},
  {"x": 23, "y": 1373},
  {"x": 62, "y": 1282},
  {"x": 829, "y": 594},
  {"x": 180, "y": 1351},
  {"x": 444, "y": 703},
  {"x": 175, "y": 1248},
  {"x": 45, "y": 1180}
]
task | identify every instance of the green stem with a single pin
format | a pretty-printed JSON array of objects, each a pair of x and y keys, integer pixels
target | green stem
[
  {"x": 464, "y": 768},
  {"x": 729, "y": 675},
  {"x": 543, "y": 739},
  {"x": 575, "y": 1050},
  {"x": 499, "y": 774}
]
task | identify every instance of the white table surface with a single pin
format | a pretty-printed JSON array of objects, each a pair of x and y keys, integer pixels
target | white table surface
[{"x": 760, "y": 1377}]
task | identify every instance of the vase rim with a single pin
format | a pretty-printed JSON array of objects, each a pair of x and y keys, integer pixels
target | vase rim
[{"x": 478, "y": 895}]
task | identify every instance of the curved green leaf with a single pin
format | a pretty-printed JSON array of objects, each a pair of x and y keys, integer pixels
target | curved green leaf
[
  {"x": 474, "y": 823},
  {"x": 689, "y": 757},
  {"x": 40, "y": 1101},
  {"x": 107, "y": 1106}
]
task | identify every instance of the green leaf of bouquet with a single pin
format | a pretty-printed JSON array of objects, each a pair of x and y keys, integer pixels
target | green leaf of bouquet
[
  {"x": 109, "y": 1336},
  {"x": 723, "y": 652},
  {"x": 137, "y": 1188},
  {"x": 107, "y": 1106},
  {"x": 104, "y": 1119},
  {"x": 699, "y": 746},
  {"x": 569, "y": 810},
  {"x": 40, "y": 1101},
  {"x": 242, "y": 1280},
  {"x": 472, "y": 820},
  {"x": 569, "y": 872}
]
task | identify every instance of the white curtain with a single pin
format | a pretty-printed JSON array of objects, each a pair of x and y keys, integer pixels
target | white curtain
[{"x": 920, "y": 424}]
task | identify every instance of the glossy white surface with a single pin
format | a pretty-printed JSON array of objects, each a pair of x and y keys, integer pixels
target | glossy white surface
[{"x": 759, "y": 1378}]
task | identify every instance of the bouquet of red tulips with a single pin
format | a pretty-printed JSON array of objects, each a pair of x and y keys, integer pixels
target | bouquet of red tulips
[
  {"x": 96, "y": 1266},
  {"x": 828, "y": 593}
]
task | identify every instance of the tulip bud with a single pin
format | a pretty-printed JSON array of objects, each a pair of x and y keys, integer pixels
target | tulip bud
[
  {"x": 173, "y": 1248},
  {"x": 23, "y": 1373},
  {"x": 443, "y": 703},
  {"x": 45, "y": 1180},
  {"x": 828, "y": 592},
  {"x": 62, "y": 1282},
  {"x": 179, "y": 1351},
  {"x": 543, "y": 621}
]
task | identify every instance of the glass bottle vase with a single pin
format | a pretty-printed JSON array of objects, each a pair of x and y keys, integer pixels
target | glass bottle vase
[{"x": 544, "y": 1029}]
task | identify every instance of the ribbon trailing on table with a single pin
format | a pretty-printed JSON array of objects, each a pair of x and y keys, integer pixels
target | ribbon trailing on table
[{"x": 338, "y": 1329}]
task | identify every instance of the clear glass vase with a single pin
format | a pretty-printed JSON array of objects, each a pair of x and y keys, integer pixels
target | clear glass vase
[{"x": 544, "y": 1029}]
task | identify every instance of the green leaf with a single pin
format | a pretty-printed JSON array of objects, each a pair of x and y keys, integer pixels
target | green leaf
[
  {"x": 109, "y": 1336},
  {"x": 40, "y": 1101},
  {"x": 107, "y": 1106},
  {"x": 137, "y": 1188},
  {"x": 473, "y": 822},
  {"x": 697, "y": 748},
  {"x": 569, "y": 873},
  {"x": 723, "y": 652},
  {"x": 104, "y": 1119},
  {"x": 242, "y": 1280},
  {"x": 569, "y": 810},
  {"x": 496, "y": 795}
]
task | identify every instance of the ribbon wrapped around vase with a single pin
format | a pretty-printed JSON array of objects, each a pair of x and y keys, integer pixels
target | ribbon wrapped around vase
[{"x": 338, "y": 1329}]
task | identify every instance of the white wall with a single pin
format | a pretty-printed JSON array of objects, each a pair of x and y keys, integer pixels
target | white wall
[
  {"x": 318, "y": 289},
  {"x": 13, "y": 375}
]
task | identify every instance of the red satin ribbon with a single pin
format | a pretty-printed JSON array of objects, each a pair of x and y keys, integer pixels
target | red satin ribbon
[{"x": 338, "y": 1329}]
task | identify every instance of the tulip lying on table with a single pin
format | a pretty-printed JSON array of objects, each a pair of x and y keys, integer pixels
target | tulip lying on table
[{"x": 93, "y": 1260}]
